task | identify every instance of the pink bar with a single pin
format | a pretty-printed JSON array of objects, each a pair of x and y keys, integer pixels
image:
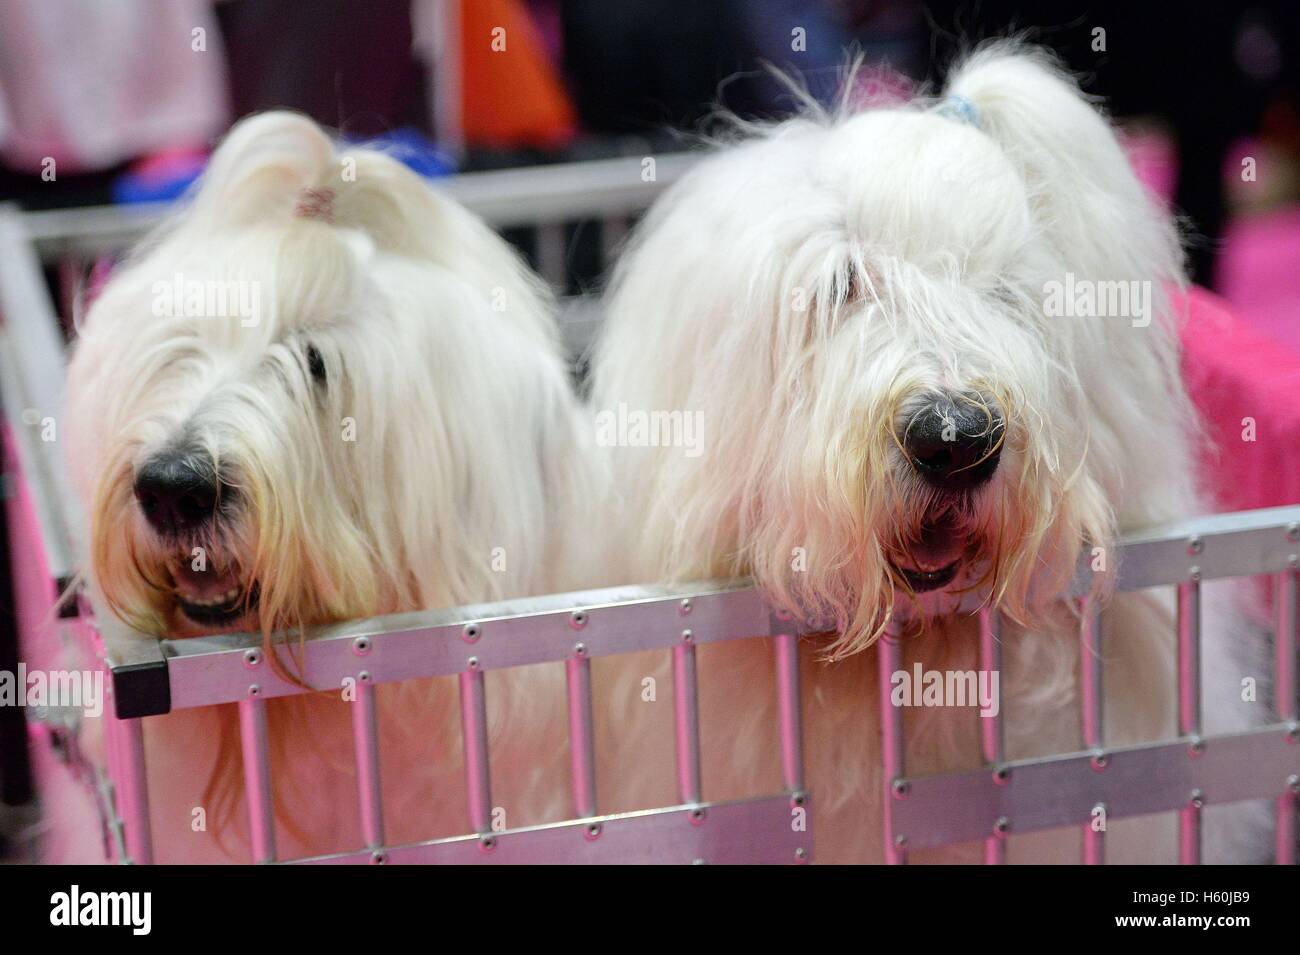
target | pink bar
[
  {"x": 473, "y": 725},
  {"x": 257, "y": 778},
  {"x": 1189, "y": 658},
  {"x": 995, "y": 846},
  {"x": 686, "y": 721},
  {"x": 365, "y": 738},
  {"x": 1286, "y": 829},
  {"x": 134, "y": 792},
  {"x": 1287, "y": 605},
  {"x": 1094, "y": 845},
  {"x": 1189, "y": 707},
  {"x": 1090, "y": 698},
  {"x": 889, "y": 662},
  {"x": 788, "y": 702},
  {"x": 582, "y": 756}
]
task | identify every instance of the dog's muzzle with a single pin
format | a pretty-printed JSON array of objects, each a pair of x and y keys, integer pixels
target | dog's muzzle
[{"x": 954, "y": 441}]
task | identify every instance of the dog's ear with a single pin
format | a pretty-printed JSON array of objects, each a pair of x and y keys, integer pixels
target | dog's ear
[
  {"x": 260, "y": 169},
  {"x": 1083, "y": 193}
]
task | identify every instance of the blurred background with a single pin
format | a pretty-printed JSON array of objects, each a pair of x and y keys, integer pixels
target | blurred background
[
  {"x": 118, "y": 102},
  {"x": 126, "y": 97}
]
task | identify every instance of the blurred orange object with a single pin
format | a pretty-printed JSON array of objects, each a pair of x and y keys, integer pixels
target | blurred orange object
[{"x": 513, "y": 94}]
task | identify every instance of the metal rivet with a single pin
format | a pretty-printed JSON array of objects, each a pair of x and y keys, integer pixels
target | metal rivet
[
  {"x": 698, "y": 862},
  {"x": 254, "y": 690},
  {"x": 1100, "y": 762},
  {"x": 577, "y": 620},
  {"x": 1197, "y": 746},
  {"x": 687, "y": 636},
  {"x": 473, "y": 663},
  {"x": 1293, "y": 531},
  {"x": 685, "y": 606},
  {"x": 471, "y": 633},
  {"x": 378, "y": 857},
  {"x": 798, "y": 799},
  {"x": 364, "y": 676},
  {"x": 1195, "y": 545},
  {"x": 1293, "y": 783},
  {"x": 580, "y": 649},
  {"x": 697, "y": 816},
  {"x": 801, "y": 854},
  {"x": 361, "y": 646},
  {"x": 1293, "y": 732},
  {"x": 1001, "y": 775},
  {"x": 1194, "y": 573},
  {"x": 900, "y": 840},
  {"x": 1002, "y": 825},
  {"x": 901, "y": 788},
  {"x": 487, "y": 843},
  {"x": 252, "y": 658},
  {"x": 592, "y": 831},
  {"x": 1197, "y": 799}
]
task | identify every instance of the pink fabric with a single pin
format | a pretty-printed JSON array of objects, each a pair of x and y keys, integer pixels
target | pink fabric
[
  {"x": 1258, "y": 273},
  {"x": 1235, "y": 371}
]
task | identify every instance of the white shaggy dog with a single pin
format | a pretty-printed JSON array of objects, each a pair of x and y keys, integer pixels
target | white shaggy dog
[
  {"x": 325, "y": 392},
  {"x": 854, "y": 306}
]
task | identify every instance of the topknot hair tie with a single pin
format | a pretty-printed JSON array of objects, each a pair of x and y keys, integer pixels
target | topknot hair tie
[{"x": 315, "y": 204}]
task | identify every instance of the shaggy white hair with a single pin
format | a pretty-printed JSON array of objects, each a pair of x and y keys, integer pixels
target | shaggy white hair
[
  {"x": 802, "y": 290},
  {"x": 394, "y": 430}
]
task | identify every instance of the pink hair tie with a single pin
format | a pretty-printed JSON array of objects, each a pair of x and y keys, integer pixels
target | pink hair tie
[{"x": 315, "y": 204}]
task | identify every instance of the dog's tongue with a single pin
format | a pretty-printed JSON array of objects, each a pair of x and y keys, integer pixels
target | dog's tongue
[
  {"x": 204, "y": 584},
  {"x": 939, "y": 545}
]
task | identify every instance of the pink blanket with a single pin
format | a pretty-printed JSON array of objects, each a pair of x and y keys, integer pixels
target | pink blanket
[{"x": 1246, "y": 382}]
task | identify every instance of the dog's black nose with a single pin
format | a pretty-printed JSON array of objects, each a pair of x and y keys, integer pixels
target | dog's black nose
[
  {"x": 175, "y": 494},
  {"x": 954, "y": 442}
]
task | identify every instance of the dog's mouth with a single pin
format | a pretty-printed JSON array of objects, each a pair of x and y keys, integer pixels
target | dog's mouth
[
  {"x": 933, "y": 559},
  {"x": 212, "y": 597}
]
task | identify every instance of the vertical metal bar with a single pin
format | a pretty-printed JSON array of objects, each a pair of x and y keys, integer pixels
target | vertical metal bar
[
  {"x": 1090, "y": 698},
  {"x": 445, "y": 75},
  {"x": 889, "y": 662},
  {"x": 686, "y": 719},
  {"x": 133, "y": 790},
  {"x": 365, "y": 739},
  {"x": 1286, "y": 602},
  {"x": 551, "y": 256},
  {"x": 473, "y": 727},
  {"x": 1189, "y": 708},
  {"x": 257, "y": 778},
  {"x": 995, "y": 845},
  {"x": 582, "y": 753},
  {"x": 790, "y": 709}
]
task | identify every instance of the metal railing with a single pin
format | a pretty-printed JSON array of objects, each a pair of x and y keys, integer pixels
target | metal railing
[{"x": 150, "y": 677}]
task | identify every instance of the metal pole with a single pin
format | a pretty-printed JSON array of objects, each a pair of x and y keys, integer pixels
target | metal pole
[
  {"x": 1189, "y": 709},
  {"x": 686, "y": 720},
  {"x": 365, "y": 739},
  {"x": 473, "y": 725},
  {"x": 257, "y": 778},
  {"x": 582, "y": 755},
  {"x": 1090, "y": 698}
]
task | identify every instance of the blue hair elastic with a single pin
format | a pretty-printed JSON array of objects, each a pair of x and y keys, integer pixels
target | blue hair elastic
[{"x": 960, "y": 109}]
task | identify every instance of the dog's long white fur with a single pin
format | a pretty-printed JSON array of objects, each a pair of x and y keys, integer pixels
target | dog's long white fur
[
  {"x": 797, "y": 290},
  {"x": 437, "y": 466}
]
